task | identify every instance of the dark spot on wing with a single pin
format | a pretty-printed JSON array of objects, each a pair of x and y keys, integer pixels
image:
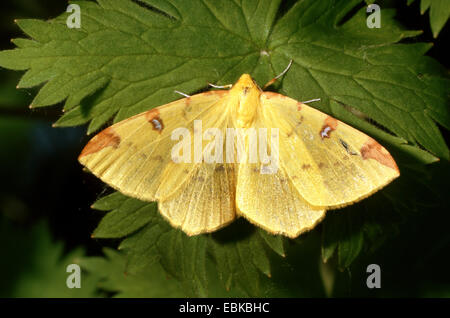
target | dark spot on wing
[
  {"x": 347, "y": 148},
  {"x": 219, "y": 168},
  {"x": 158, "y": 158},
  {"x": 200, "y": 179},
  {"x": 306, "y": 166},
  {"x": 152, "y": 117}
]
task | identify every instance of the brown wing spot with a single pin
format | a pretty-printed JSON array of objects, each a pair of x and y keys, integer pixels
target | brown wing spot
[
  {"x": 306, "y": 166},
  {"x": 329, "y": 125},
  {"x": 131, "y": 146},
  {"x": 373, "y": 150},
  {"x": 152, "y": 117},
  {"x": 322, "y": 165},
  {"x": 157, "y": 158},
  {"x": 107, "y": 137},
  {"x": 283, "y": 180},
  {"x": 299, "y": 106},
  {"x": 294, "y": 178},
  {"x": 219, "y": 168},
  {"x": 184, "y": 114}
]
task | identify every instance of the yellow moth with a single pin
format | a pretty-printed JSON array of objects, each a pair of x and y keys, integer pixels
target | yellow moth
[{"x": 322, "y": 163}]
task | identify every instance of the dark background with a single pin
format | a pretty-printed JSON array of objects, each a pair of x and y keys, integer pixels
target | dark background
[{"x": 42, "y": 180}]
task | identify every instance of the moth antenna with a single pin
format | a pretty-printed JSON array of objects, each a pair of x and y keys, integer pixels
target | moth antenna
[
  {"x": 181, "y": 93},
  {"x": 311, "y": 100},
  {"x": 220, "y": 86},
  {"x": 273, "y": 80}
]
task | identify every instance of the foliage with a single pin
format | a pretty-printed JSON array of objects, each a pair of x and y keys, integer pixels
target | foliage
[
  {"x": 130, "y": 56},
  {"x": 439, "y": 13},
  {"x": 36, "y": 265}
]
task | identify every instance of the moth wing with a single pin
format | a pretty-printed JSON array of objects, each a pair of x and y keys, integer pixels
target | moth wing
[
  {"x": 270, "y": 200},
  {"x": 205, "y": 202},
  {"x": 134, "y": 156},
  {"x": 330, "y": 163}
]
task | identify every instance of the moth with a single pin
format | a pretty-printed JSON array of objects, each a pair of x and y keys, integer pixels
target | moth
[{"x": 321, "y": 162}]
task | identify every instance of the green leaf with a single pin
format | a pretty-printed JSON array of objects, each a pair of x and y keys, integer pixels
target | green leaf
[
  {"x": 129, "y": 216},
  {"x": 35, "y": 265},
  {"x": 114, "y": 277},
  {"x": 239, "y": 263},
  {"x": 276, "y": 242},
  {"x": 439, "y": 13},
  {"x": 365, "y": 227},
  {"x": 344, "y": 234},
  {"x": 383, "y": 80},
  {"x": 185, "y": 258},
  {"x": 127, "y": 58}
]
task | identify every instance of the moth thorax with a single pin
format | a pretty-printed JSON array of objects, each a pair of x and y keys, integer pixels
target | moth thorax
[{"x": 246, "y": 111}]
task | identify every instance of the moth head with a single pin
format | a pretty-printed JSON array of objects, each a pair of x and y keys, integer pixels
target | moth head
[{"x": 245, "y": 86}]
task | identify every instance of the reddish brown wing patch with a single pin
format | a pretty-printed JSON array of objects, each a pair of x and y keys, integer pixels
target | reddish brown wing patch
[
  {"x": 373, "y": 150},
  {"x": 105, "y": 138},
  {"x": 299, "y": 106},
  {"x": 329, "y": 125},
  {"x": 153, "y": 118}
]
